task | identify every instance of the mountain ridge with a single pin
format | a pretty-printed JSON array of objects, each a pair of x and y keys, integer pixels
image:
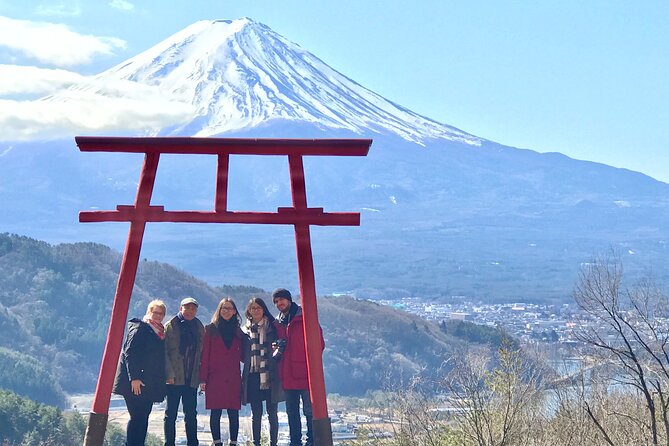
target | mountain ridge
[
  {"x": 79, "y": 280},
  {"x": 440, "y": 216}
]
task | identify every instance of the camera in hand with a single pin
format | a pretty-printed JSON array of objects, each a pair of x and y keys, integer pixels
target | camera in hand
[{"x": 279, "y": 346}]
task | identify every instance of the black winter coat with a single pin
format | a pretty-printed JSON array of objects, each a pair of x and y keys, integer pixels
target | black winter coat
[
  {"x": 143, "y": 357},
  {"x": 277, "y": 392}
]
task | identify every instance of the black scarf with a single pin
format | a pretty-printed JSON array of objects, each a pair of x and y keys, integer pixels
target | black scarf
[
  {"x": 228, "y": 330},
  {"x": 188, "y": 344},
  {"x": 285, "y": 318},
  {"x": 188, "y": 334}
]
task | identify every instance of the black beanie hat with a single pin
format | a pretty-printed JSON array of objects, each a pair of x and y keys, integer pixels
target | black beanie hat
[{"x": 281, "y": 293}]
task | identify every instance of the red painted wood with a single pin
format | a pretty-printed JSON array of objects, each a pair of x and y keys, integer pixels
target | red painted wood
[
  {"x": 221, "y": 199},
  {"x": 297, "y": 183},
  {"x": 312, "y": 336},
  {"x": 233, "y": 146},
  {"x": 282, "y": 217},
  {"x": 124, "y": 286},
  {"x": 299, "y": 215},
  {"x": 305, "y": 269}
]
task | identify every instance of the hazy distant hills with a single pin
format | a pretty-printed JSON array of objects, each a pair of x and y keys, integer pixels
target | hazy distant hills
[
  {"x": 55, "y": 303},
  {"x": 443, "y": 212}
]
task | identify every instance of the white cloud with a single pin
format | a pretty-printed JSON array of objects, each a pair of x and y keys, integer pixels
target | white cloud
[
  {"x": 122, "y": 5},
  {"x": 54, "y": 43},
  {"x": 59, "y": 10},
  {"x": 92, "y": 107},
  {"x": 18, "y": 79}
]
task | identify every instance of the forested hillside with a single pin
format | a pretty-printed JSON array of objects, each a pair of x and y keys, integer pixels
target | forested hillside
[
  {"x": 26, "y": 422},
  {"x": 55, "y": 302}
]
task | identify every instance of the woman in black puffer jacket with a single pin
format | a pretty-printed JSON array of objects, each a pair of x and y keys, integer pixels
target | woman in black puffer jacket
[{"x": 140, "y": 377}]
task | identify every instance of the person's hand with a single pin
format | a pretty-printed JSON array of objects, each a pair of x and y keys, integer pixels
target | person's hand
[
  {"x": 203, "y": 387},
  {"x": 169, "y": 381},
  {"x": 136, "y": 385}
]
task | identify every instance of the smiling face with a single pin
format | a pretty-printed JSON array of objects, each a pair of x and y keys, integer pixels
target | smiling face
[
  {"x": 228, "y": 311},
  {"x": 156, "y": 310},
  {"x": 256, "y": 311},
  {"x": 188, "y": 311},
  {"x": 157, "y": 314},
  {"x": 282, "y": 304}
]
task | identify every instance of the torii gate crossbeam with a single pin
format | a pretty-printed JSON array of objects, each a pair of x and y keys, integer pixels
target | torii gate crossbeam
[{"x": 142, "y": 212}]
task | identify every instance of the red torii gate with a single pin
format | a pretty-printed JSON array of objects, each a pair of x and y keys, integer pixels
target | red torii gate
[{"x": 299, "y": 215}]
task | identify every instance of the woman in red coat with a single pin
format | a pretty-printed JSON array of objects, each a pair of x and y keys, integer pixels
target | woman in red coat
[{"x": 220, "y": 376}]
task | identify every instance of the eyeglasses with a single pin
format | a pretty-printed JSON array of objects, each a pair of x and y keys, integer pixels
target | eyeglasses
[
  {"x": 157, "y": 312},
  {"x": 227, "y": 308},
  {"x": 255, "y": 308}
]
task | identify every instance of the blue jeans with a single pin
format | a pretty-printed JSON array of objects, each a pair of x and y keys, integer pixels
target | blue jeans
[
  {"x": 188, "y": 397},
  {"x": 293, "y": 412}
]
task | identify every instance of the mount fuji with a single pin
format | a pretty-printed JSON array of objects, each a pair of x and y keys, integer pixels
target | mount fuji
[
  {"x": 240, "y": 75},
  {"x": 444, "y": 212}
]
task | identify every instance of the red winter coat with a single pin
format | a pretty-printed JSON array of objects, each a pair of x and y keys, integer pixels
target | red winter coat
[
  {"x": 219, "y": 369},
  {"x": 293, "y": 364}
]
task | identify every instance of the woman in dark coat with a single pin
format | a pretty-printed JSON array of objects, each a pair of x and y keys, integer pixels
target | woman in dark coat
[
  {"x": 220, "y": 377},
  {"x": 260, "y": 377},
  {"x": 140, "y": 377}
]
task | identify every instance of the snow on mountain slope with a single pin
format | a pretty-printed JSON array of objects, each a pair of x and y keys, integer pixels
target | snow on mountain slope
[{"x": 240, "y": 74}]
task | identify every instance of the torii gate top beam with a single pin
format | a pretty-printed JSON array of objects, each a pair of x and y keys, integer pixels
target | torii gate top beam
[{"x": 222, "y": 146}]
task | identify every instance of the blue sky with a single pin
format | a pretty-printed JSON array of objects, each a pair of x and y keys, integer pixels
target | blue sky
[{"x": 585, "y": 78}]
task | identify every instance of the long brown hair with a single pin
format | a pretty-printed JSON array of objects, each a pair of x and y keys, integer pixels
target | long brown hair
[
  {"x": 216, "y": 317},
  {"x": 265, "y": 310}
]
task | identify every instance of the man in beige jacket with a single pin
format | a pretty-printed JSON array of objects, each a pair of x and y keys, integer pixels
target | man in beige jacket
[{"x": 183, "y": 347}]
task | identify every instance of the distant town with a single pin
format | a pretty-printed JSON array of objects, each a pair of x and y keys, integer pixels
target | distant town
[{"x": 527, "y": 322}]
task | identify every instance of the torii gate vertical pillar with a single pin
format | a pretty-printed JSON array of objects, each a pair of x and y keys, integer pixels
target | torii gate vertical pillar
[
  {"x": 305, "y": 266},
  {"x": 322, "y": 427},
  {"x": 97, "y": 419}
]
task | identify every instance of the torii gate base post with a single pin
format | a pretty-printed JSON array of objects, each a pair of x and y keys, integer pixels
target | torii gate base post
[
  {"x": 300, "y": 216},
  {"x": 96, "y": 429}
]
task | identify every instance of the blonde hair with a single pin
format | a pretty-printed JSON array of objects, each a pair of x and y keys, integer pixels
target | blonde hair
[{"x": 156, "y": 303}]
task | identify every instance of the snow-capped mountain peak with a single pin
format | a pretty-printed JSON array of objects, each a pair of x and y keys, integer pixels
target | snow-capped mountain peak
[{"x": 239, "y": 74}]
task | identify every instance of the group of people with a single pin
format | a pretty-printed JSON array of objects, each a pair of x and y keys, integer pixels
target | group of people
[{"x": 175, "y": 360}]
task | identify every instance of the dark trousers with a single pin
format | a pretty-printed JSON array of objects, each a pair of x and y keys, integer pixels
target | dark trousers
[
  {"x": 188, "y": 397},
  {"x": 272, "y": 415},
  {"x": 293, "y": 411},
  {"x": 215, "y": 424},
  {"x": 139, "y": 409}
]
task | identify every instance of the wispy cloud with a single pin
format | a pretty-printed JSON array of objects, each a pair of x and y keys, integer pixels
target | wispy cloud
[
  {"x": 18, "y": 79},
  {"x": 93, "y": 106},
  {"x": 122, "y": 5},
  {"x": 53, "y": 43},
  {"x": 59, "y": 10}
]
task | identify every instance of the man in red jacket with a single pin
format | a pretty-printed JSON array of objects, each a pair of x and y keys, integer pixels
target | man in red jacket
[{"x": 293, "y": 366}]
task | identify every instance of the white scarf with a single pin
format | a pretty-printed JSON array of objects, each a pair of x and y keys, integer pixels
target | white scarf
[{"x": 259, "y": 351}]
